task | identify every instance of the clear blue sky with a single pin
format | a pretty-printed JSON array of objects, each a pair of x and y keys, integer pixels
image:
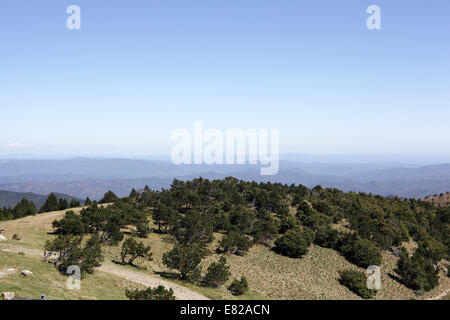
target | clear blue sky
[{"x": 137, "y": 70}]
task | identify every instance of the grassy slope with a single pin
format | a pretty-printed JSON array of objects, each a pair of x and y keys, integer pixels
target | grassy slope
[
  {"x": 270, "y": 275},
  {"x": 46, "y": 279},
  {"x": 443, "y": 200}
]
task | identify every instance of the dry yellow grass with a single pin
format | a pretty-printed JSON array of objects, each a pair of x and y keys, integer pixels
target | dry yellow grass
[
  {"x": 33, "y": 232},
  {"x": 270, "y": 276},
  {"x": 442, "y": 199},
  {"x": 47, "y": 280}
]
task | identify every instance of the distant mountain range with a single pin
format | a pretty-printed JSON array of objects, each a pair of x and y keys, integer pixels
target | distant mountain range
[
  {"x": 82, "y": 177},
  {"x": 92, "y": 188},
  {"x": 10, "y": 199},
  {"x": 435, "y": 172}
]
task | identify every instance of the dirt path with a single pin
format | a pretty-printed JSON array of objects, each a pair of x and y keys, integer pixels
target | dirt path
[
  {"x": 27, "y": 251},
  {"x": 181, "y": 293},
  {"x": 440, "y": 296},
  {"x": 6, "y": 272}
]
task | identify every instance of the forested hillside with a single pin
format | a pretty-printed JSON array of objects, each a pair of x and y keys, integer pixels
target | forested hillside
[
  {"x": 286, "y": 219},
  {"x": 10, "y": 198},
  {"x": 15, "y": 205}
]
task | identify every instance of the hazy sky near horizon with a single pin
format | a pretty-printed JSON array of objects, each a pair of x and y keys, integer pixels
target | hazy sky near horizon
[{"x": 138, "y": 70}]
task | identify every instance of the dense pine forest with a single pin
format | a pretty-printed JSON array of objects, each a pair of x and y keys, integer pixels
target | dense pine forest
[{"x": 287, "y": 219}]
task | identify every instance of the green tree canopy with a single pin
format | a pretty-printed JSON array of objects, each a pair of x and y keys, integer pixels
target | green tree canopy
[
  {"x": 134, "y": 250},
  {"x": 158, "y": 293},
  {"x": 294, "y": 243},
  {"x": 185, "y": 259},
  {"x": 109, "y": 197},
  {"x": 217, "y": 273},
  {"x": 51, "y": 204}
]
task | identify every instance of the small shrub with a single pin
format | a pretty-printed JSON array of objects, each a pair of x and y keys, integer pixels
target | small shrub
[
  {"x": 235, "y": 243},
  {"x": 327, "y": 237},
  {"x": 294, "y": 243},
  {"x": 143, "y": 230},
  {"x": 158, "y": 293},
  {"x": 238, "y": 287},
  {"x": 357, "y": 282}
]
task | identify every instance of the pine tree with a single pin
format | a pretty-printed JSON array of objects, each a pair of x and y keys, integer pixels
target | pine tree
[
  {"x": 217, "y": 273},
  {"x": 88, "y": 202},
  {"x": 63, "y": 204},
  {"x": 51, "y": 204},
  {"x": 185, "y": 259},
  {"x": 74, "y": 203},
  {"x": 24, "y": 208},
  {"x": 109, "y": 197}
]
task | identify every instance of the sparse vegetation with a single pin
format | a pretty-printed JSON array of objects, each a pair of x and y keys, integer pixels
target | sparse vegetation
[
  {"x": 49, "y": 281},
  {"x": 443, "y": 199}
]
